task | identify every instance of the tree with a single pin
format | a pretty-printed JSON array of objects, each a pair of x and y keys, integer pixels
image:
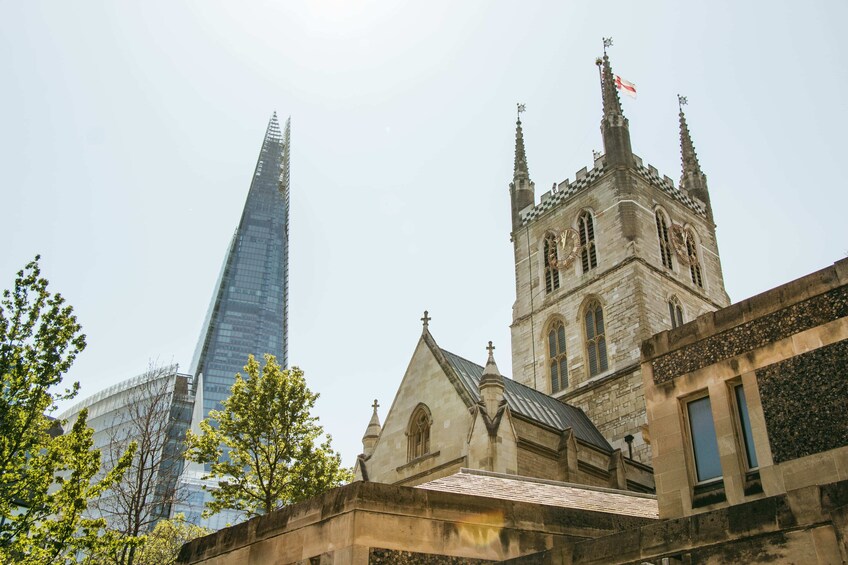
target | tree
[
  {"x": 261, "y": 446},
  {"x": 156, "y": 415},
  {"x": 45, "y": 476},
  {"x": 162, "y": 545}
]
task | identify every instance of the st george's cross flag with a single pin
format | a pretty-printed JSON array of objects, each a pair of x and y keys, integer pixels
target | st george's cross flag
[{"x": 626, "y": 87}]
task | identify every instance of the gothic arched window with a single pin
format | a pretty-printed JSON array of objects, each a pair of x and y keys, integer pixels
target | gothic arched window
[
  {"x": 419, "y": 433},
  {"x": 694, "y": 262},
  {"x": 586, "y": 228},
  {"x": 675, "y": 311},
  {"x": 557, "y": 361},
  {"x": 596, "y": 344},
  {"x": 551, "y": 270},
  {"x": 665, "y": 241}
]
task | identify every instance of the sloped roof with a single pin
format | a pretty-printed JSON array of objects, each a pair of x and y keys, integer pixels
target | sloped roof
[
  {"x": 531, "y": 403},
  {"x": 549, "y": 493}
]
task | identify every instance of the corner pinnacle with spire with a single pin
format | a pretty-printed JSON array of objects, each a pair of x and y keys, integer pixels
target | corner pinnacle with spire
[
  {"x": 615, "y": 128},
  {"x": 372, "y": 432},
  {"x": 692, "y": 178},
  {"x": 521, "y": 189}
]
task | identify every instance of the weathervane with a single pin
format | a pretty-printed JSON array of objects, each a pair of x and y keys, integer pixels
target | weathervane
[
  {"x": 607, "y": 43},
  {"x": 682, "y": 101},
  {"x": 521, "y": 108}
]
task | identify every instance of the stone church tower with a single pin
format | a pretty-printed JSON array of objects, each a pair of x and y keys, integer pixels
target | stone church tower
[{"x": 601, "y": 264}]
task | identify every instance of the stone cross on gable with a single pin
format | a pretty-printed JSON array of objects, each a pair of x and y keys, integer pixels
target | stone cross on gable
[
  {"x": 491, "y": 348},
  {"x": 375, "y": 405},
  {"x": 426, "y": 319}
]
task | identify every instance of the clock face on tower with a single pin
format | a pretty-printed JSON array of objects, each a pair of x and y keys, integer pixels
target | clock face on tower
[{"x": 567, "y": 246}]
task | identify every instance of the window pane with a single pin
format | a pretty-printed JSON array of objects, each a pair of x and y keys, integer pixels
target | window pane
[
  {"x": 599, "y": 320},
  {"x": 745, "y": 424},
  {"x": 704, "y": 446},
  {"x": 552, "y": 343},
  {"x": 671, "y": 313},
  {"x": 593, "y": 360},
  {"x": 554, "y": 377},
  {"x": 563, "y": 373},
  {"x": 561, "y": 339},
  {"x": 602, "y": 353},
  {"x": 590, "y": 324}
]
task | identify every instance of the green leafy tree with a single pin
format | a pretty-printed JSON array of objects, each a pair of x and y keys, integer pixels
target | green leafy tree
[
  {"x": 45, "y": 476},
  {"x": 162, "y": 545},
  {"x": 271, "y": 443}
]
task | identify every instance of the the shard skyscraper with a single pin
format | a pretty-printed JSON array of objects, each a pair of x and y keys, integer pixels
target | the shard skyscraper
[{"x": 249, "y": 309}]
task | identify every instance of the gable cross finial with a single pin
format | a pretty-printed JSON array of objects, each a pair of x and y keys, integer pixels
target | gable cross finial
[
  {"x": 375, "y": 405},
  {"x": 490, "y": 349},
  {"x": 682, "y": 101},
  {"x": 426, "y": 319}
]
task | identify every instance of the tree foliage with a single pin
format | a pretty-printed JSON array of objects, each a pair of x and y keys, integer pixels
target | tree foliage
[
  {"x": 147, "y": 490},
  {"x": 262, "y": 446},
  {"x": 45, "y": 476},
  {"x": 162, "y": 545}
]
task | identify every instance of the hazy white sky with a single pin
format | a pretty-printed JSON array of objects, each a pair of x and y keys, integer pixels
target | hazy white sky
[{"x": 129, "y": 132}]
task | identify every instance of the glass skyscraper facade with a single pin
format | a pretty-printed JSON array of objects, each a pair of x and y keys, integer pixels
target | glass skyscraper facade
[{"x": 249, "y": 309}]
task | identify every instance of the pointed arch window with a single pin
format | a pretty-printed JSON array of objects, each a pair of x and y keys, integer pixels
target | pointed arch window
[
  {"x": 665, "y": 240},
  {"x": 675, "y": 312},
  {"x": 551, "y": 270},
  {"x": 596, "y": 343},
  {"x": 694, "y": 263},
  {"x": 586, "y": 228},
  {"x": 419, "y": 433},
  {"x": 557, "y": 359}
]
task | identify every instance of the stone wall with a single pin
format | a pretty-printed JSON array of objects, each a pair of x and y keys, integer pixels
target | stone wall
[
  {"x": 425, "y": 382},
  {"x": 391, "y": 524},
  {"x": 788, "y": 349},
  {"x": 804, "y": 526},
  {"x": 631, "y": 284}
]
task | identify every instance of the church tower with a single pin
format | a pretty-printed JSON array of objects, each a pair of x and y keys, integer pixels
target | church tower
[{"x": 602, "y": 263}]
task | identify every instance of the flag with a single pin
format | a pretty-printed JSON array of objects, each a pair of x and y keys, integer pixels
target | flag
[{"x": 626, "y": 87}]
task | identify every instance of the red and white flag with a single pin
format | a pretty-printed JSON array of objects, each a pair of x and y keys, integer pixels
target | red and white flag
[{"x": 625, "y": 86}]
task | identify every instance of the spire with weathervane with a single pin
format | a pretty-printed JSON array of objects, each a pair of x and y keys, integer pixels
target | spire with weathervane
[
  {"x": 692, "y": 179},
  {"x": 614, "y": 126},
  {"x": 521, "y": 189}
]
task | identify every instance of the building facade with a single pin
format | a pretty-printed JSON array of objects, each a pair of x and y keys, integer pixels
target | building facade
[
  {"x": 601, "y": 264},
  {"x": 154, "y": 409},
  {"x": 249, "y": 309}
]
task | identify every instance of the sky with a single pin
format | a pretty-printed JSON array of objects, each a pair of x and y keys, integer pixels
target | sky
[{"x": 129, "y": 132}]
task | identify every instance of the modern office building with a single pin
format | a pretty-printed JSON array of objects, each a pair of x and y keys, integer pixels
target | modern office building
[
  {"x": 154, "y": 409},
  {"x": 249, "y": 309}
]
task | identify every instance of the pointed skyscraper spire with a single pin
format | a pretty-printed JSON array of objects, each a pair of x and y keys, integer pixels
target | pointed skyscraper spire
[
  {"x": 692, "y": 178},
  {"x": 614, "y": 126},
  {"x": 521, "y": 189}
]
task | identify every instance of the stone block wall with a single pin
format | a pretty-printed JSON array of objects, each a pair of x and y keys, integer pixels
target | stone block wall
[
  {"x": 630, "y": 282},
  {"x": 788, "y": 349}
]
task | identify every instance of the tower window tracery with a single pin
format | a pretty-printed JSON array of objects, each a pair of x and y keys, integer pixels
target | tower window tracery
[
  {"x": 419, "y": 433},
  {"x": 694, "y": 262},
  {"x": 675, "y": 312},
  {"x": 664, "y": 239},
  {"x": 588, "y": 253},
  {"x": 596, "y": 345},
  {"x": 551, "y": 268},
  {"x": 557, "y": 359}
]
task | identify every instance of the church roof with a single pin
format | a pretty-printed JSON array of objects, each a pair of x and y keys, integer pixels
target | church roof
[
  {"x": 549, "y": 493},
  {"x": 531, "y": 403}
]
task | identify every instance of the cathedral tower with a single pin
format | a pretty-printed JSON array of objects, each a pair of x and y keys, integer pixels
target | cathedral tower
[{"x": 602, "y": 263}]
